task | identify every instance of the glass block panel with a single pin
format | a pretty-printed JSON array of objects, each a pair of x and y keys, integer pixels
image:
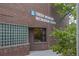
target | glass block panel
[{"x": 13, "y": 34}]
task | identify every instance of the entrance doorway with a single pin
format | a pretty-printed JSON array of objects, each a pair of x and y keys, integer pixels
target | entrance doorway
[{"x": 36, "y": 35}]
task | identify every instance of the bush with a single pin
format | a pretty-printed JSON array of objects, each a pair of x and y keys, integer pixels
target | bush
[{"x": 66, "y": 38}]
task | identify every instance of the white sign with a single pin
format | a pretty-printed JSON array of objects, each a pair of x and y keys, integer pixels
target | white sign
[
  {"x": 42, "y": 17},
  {"x": 44, "y": 20}
]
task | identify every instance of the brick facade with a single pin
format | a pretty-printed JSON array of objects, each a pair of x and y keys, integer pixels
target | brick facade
[{"x": 20, "y": 14}]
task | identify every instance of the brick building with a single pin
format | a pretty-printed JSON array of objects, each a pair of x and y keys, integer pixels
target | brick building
[{"x": 26, "y": 27}]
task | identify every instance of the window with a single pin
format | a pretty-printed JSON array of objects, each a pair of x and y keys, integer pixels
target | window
[
  {"x": 13, "y": 34},
  {"x": 39, "y": 35}
]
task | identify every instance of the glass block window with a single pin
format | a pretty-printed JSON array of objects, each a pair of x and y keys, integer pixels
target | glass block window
[{"x": 13, "y": 34}]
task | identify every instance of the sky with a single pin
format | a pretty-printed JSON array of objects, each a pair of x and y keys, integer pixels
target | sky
[{"x": 71, "y": 19}]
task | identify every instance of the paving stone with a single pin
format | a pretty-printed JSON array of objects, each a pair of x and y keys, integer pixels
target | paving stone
[{"x": 43, "y": 53}]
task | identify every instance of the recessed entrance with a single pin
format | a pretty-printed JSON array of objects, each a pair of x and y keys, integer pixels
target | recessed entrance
[{"x": 37, "y": 37}]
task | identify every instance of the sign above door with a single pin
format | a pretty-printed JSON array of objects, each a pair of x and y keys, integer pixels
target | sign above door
[{"x": 42, "y": 17}]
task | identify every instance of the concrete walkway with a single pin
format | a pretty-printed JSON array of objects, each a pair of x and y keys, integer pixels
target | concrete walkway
[{"x": 43, "y": 53}]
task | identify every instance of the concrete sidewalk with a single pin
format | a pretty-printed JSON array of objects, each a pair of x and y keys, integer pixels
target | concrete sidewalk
[{"x": 43, "y": 53}]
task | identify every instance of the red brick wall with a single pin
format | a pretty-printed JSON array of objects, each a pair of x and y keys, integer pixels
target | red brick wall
[
  {"x": 20, "y": 14},
  {"x": 39, "y": 46},
  {"x": 15, "y": 51}
]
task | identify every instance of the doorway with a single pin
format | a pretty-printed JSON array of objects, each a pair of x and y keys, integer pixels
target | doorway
[{"x": 36, "y": 36}]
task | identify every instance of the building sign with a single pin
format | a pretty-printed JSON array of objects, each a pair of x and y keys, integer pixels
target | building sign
[{"x": 42, "y": 17}]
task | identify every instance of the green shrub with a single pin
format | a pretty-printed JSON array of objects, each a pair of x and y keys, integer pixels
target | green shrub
[{"x": 66, "y": 38}]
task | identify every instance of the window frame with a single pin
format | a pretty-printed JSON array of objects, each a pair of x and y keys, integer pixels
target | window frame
[
  {"x": 9, "y": 42},
  {"x": 45, "y": 35}
]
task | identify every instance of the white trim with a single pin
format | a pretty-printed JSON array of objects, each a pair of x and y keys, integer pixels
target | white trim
[
  {"x": 13, "y": 45},
  {"x": 40, "y": 42},
  {"x": 13, "y": 23}
]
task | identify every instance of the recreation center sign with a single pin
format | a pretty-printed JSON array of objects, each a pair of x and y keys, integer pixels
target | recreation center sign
[{"x": 42, "y": 17}]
